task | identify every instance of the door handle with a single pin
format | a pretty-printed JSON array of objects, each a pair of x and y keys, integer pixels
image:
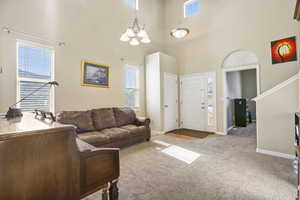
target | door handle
[{"x": 166, "y": 106}]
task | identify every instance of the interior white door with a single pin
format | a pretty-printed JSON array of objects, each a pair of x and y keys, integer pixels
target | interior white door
[
  {"x": 194, "y": 102},
  {"x": 170, "y": 102}
]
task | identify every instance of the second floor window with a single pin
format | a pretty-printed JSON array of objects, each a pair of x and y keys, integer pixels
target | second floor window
[
  {"x": 132, "y": 87},
  {"x": 35, "y": 68},
  {"x": 132, "y": 3},
  {"x": 191, "y": 7}
]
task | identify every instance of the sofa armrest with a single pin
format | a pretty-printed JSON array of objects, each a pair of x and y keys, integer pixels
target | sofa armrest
[
  {"x": 83, "y": 147},
  {"x": 143, "y": 121},
  {"x": 98, "y": 166}
]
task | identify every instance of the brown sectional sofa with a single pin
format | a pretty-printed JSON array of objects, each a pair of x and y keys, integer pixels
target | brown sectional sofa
[{"x": 108, "y": 127}]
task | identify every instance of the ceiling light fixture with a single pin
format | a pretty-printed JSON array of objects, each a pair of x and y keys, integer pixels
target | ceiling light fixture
[
  {"x": 180, "y": 32},
  {"x": 135, "y": 34}
]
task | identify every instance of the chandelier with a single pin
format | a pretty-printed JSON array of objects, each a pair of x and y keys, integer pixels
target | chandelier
[{"x": 135, "y": 34}]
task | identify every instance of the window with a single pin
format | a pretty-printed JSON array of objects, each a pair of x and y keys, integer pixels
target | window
[
  {"x": 131, "y": 87},
  {"x": 191, "y": 8},
  {"x": 35, "y": 68},
  {"x": 133, "y": 3}
]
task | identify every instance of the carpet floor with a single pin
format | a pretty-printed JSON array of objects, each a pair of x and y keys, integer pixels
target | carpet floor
[{"x": 214, "y": 168}]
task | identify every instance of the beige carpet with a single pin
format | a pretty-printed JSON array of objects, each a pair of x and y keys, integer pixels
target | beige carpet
[{"x": 228, "y": 168}]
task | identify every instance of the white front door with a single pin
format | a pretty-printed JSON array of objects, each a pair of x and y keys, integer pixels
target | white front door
[
  {"x": 194, "y": 102},
  {"x": 170, "y": 102}
]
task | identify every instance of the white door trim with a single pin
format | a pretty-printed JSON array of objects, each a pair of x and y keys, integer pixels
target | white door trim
[
  {"x": 214, "y": 73},
  {"x": 224, "y": 74}
]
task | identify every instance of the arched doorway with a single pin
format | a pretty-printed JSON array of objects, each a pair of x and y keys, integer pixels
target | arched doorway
[{"x": 237, "y": 67}]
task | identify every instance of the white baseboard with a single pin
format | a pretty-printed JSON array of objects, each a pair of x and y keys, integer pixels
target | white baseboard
[
  {"x": 154, "y": 133},
  {"x": 220, "y": 133},
  {"x": 276, "y": 154},
  {"x": 231, "y": 127}
]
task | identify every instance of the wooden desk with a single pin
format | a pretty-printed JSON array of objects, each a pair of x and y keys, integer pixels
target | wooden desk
[
  {"x": 44, "y": 160},
  {"x": 24, "y": 125}
]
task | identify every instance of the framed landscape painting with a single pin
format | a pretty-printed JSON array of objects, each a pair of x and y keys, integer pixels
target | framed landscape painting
[
  {"x": 284, "y": 50},
  {"x": 94, "y": 74}
]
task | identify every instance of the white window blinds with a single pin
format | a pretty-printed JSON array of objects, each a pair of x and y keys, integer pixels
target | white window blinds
[{"x": 35, "y": 68}]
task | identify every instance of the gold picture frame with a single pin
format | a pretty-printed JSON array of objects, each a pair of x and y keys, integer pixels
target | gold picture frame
[{"x": 94, "y": 74}]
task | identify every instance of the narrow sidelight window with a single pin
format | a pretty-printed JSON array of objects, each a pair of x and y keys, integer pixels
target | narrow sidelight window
[{"x": 132, "y": 87}]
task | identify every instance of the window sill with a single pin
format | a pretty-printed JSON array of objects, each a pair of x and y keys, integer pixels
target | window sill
[{"x": 136, "y": 109}]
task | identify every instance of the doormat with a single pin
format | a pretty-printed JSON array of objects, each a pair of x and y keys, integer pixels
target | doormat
[{"x": 190, "y": 134}]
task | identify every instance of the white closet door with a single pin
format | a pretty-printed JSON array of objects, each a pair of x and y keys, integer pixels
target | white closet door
[
  {"x": 194, "y": 102},
  {"x": 170, "y": 102}
]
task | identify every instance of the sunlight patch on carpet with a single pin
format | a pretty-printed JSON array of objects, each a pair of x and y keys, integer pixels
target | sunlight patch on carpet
[
  {"x": 181, "y": 154},
  {"x": 161, "y": 143}
]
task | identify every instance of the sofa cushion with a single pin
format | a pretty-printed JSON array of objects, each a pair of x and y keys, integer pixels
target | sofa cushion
[
  {"x": 124, "y": 116},
  {"x": 103, "y": 118},
  {"x": 94, "y": 137},
  {"x": 135, "y": 130},
  {"x": 116, "y": 134},
  {"x": 81, "y": 119}
]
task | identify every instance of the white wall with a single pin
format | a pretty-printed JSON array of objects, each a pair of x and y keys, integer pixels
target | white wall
[
  {"x": 249, "y": 89},
  {"x": 91, "y": 30},
  {"x": 224, "y": 26},
  {"x": 275, "y": 120},
  {"x": 234, "y": 90},
  {"x": 234, "y": 84},
  {"x": 240, "y": 58}
]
